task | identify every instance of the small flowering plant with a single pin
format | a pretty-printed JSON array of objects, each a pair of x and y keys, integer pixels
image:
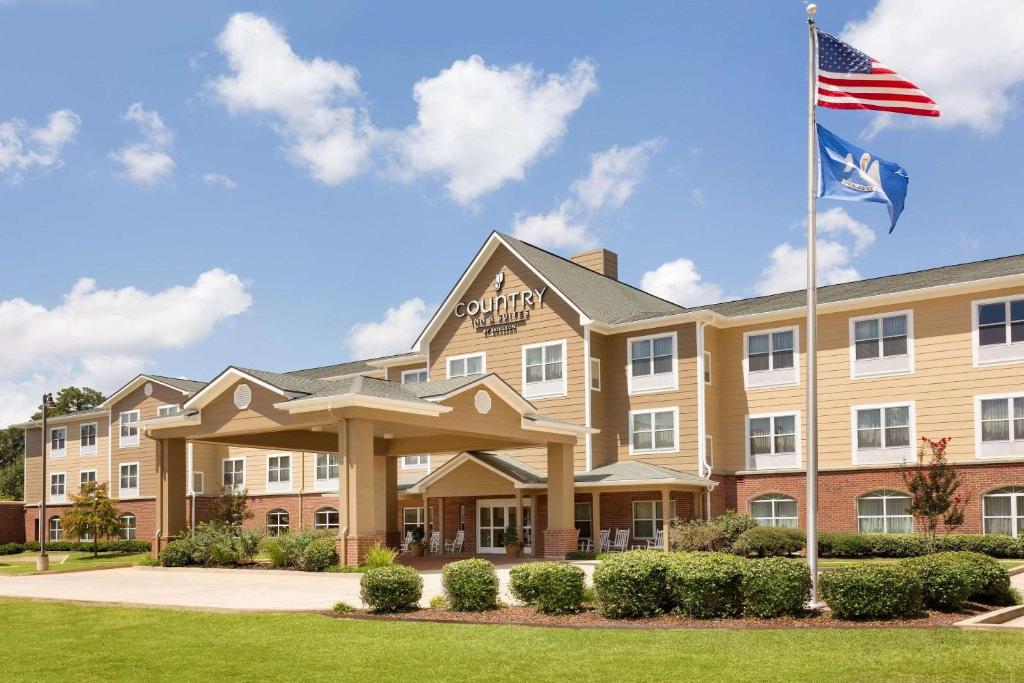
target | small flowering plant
[{"x": 933, "y": 489}]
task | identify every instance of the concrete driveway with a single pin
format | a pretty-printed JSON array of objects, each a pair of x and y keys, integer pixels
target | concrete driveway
[{"x": 219, "y": 589}]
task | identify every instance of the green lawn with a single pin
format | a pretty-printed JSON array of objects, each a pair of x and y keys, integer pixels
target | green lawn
[
  {"x": 9, "y": 564},
  {"x": 111, "y": 643}
]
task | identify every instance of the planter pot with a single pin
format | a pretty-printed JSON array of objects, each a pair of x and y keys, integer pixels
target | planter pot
[
  {"x": 513, "y": 550},
  {"x": 416, "y": 549}
]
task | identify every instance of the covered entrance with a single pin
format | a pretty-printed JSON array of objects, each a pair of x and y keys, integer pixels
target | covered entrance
[{"x": 494, "y": 516}]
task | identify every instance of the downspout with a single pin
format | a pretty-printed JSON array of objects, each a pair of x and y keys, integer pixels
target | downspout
[
  {"x": 302, "y": 485},
  {"x": 343, "y": 434},
  {"x": 587, "y": 398},
  {"x": 704, "y": 467},
  {"x": 190, "y": 467}
]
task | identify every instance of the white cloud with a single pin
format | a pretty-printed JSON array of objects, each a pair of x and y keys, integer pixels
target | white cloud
[
  {"x": 316, "y": 103},
  {"x": 146, "y": 162},
  {"x": 613, "y": 177},
  {"x": 23, "y": 148},
  {"x": 967, "y": 57},
  {"x": 219, "y": 180},
  {"x": 394, "y": 334},
  {"x": 101, "y": 337},
  {"x": 788, "y": 268},
  {"x": 482, "y": 125},
  {"x": 679, "y": 281},
  {"x": 698, "y": 197}
]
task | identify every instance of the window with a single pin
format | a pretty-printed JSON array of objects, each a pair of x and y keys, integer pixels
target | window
[
  {"x": 707, "y": 367},
  {"x": 772, "y": 441},
  {"x": 463, "y": 366},
  {"x": 197, "y": 482},
  {"x": 412, "y": 518},
  {"x": 58, "y": 442},
  {"x": 165, "y": 411},
  {"x": 883, "y": 434},
  {"x": 770, "y": 358},
  {"x": 87, "y": 476},
  {"x": 129, "y": 429},
  {"x": 328, "y": 467},
  {"x": 881, "y": 345},
  {"x": 595, "y": 374},
  {"x": 1003, "y": 511},
  {"x": 326, "y": 519},
  {"x": 234, "y": 474},
  {"x": 652, "y": 363},
  {"x": 279, "y": 472},
  {"x": 884, "y": 512},
  {"x": 998, "y": 331},
  {"x": 277, "y": 522},
  {"x": 544, "y": 370},
  {"x": 774, "y": 509},
  {"x": 129, "y": 486},
  {"x": 415, "y": 376},
  {"x": 584, "y": 520},
  {"x": 87, "y": 439},
  {"x": 415, "y": 462},
  {"x": 999, "y": 425},
  {"x": 128, "y": 526},
  {"x": 58, "y": 487},
  {"x": 653, "y": 431},
  {"x": 56, "y": 532},
  {"x": 647, "y": 517}
]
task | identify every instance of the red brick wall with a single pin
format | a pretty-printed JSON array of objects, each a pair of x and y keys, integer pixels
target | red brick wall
[
  {"x": 12, "y": 522},
  {"x": 144, "y": 510},
  {"x": 297, "y": 519},
  {"x": 838, "y": 491}
]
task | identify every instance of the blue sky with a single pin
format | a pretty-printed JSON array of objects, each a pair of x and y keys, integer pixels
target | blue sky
[{"x": 282, "y": 153}]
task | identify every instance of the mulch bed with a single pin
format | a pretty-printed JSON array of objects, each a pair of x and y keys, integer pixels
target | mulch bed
[{"x": 527, "y": 616}]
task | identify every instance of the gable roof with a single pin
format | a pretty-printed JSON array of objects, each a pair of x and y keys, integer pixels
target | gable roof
[
  {"x": 63, "y": 419},
  {"x": 187, "y": 387},
  {"x": 355, "y": 367}
]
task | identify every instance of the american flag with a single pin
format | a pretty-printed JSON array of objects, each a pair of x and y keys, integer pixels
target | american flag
[{"x": 849, "y": 79}]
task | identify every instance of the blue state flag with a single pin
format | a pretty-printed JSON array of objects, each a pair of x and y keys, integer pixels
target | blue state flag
[{"x": 849, "y": 173}]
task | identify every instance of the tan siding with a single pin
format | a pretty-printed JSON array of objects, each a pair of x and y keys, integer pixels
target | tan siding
[
  {"x": 394, "y": 373},
  {"x": 145, "y": 452},
  {"x": 73, "y": 461}
]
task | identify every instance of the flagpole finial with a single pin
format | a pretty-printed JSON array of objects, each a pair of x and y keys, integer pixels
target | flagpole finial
[{"x": 811, "y": 9}]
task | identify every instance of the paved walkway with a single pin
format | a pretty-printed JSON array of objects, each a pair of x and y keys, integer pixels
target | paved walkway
[{"x": 223, "y": 589}]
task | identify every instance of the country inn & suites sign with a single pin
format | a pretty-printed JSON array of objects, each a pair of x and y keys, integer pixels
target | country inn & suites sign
[{"x": 502, "y": 313}]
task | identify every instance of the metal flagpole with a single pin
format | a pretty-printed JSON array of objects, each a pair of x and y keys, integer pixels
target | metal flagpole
[{"x": 812, "y": 310}]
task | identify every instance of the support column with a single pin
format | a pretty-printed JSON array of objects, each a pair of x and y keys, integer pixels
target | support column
[
  {"x": 666, "y": 505},
  {"x": 698, "y": 505},
  {"x": 365, "y": 491},
  {"x": 519, "y": 518},
  {"x": 533, "y": 520},
  {"x": 171, "y": 491},
  {"x": 394, "y": 534},
  {"x": 595, "y": 524},
  {"x": 426, "y": 524},
  {"x": 560, "y": 534},
  {"x": 440, "y": 524}
]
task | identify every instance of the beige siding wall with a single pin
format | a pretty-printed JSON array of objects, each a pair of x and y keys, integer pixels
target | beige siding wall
[
  {"x": 73, "y": 463},
  {"x": 144, "y": 453},
  {"x": 394, "y": 373},
  {"x": 943, "y": 385}
]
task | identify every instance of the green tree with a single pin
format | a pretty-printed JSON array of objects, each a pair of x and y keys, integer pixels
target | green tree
[
  {"x": 230, "y": 508},
  {"x": 72, "y": 400},
  {"x": 12, "y": 459},
  {"x": 92, "y": 514},
  {"x": 933, "y": 490}
]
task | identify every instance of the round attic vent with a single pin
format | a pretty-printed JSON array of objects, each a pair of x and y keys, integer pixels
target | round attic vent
[
  {"x": 243, "y": 396},
  {"x": 482, "y": 401},
  {"x": 148, "y": 389}
]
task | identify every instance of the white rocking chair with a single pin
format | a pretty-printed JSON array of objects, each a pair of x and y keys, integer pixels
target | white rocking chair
[
  {"x": 657, "y": 544},
  {"x": 455, "y": 545},
  {"x": 621, "y": 542},
  {"x": 403, "y": 546},
  {"x": 435, "y": 542},
  {"x": 604, "y": 542}
]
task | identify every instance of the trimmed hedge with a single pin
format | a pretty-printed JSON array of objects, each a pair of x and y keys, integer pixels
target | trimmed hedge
[
  {"x": 391, "y": 589},
  {"x": 553, "y": 587},
  {"x": 177, "y": 553},
  {"x": 319, "y": 554},
  {"x": 775, "y": 586},
  {"x": 994, "y": 545},
  {"x": 886, "y": 590},
  {"x": 770, "y": 541},
  {"x": 635, "y": 584},
  {"x": 994, "y": 585},
  {"x": 846, "y": 544},
  {"x": 524, "y": 582},
  {"x": 11, "y": 548},
  {"x": 707, "y": 585},
  {"x": 113, "y": 546},
  {"x": 471, "y": 585},
  {"x": 948, "y": 580}
]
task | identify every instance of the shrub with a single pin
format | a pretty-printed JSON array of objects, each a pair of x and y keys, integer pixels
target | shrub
[
  {"x": 177, "y": 553},
  {"x": 215, "y": 545},
  {"x": 286, "y": 550},
  {"x": 12, "y": 548},
  {"x": 995, "y": 545},
  {"x": 112, "y": 546},
  {"x": 556, "y": 588},
  {"x": 148, "y": 561},
  {"x": 391, "y": 589},
  {"x": 775, "y": 586},
  {"x": 342, "y": 607},
  {"x": 769, "y": 541},
  {"x": 635, "y": 584},
  {"x": 438, "y": 602},
  {"x": 581, "y": 555},
  {"x": 319, "y": 554},
  {"x": 993, "y": 587},
  {"x": 524, "y": 582},
  {"x": 948, "y": 580},
  {"x": 844, "y": 544},
  {"x": 708, "y": 585},
  {"x": 886, "y": 590},
  {"x": 718, "y": 534},
  {"x": 378, "y": 556},
  {"x": 470, "y": 585}
]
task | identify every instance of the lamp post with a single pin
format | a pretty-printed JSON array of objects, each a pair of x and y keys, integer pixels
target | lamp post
[{"x": 43, "y": 561}]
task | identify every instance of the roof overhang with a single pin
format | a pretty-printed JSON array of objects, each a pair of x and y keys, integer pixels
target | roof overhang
[
  {"x": 461, "y": 459},
  {"x": 135, "y": 384},
  {"x": 317, "y": 403},
  {"x": 496, "y": 384},
  {"x": 63, "y": 419},
  {"x": 229, "y": 376},
  {"x": 708, "y": 484},
  {"x": 393, "y": 361},
  {"x": 181, "y": 419}
]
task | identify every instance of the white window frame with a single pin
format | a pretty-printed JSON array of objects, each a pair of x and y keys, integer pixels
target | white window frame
[
  {"x": 167, "y": 410},
  {"x": 129, "y": 441},
  {"x": 84, "y": 449},
  {"x": 674, "y": 448},
  {"x": 279, "y": 486},
  {"x": 419, "y": 517},
  {"x": 202, "y": 482},
  {"x": 595, "y": 374},
  {"x": 707, "y": 368},
  {"x": 81, "y": 472},
  {"x": 223, "y": 470},
  {"x": 59, "y": 452},
  {"x": 995, "y": 354},
  {"x": 995, "y": 450},
  {"x": 317, "y": 526},
  {"x": 772, "y": 377},
  {"x": 1016, "y": 496},
  {"x": 546, "y": 388},
  {"x": 51, "y": 538},
  {"x": 773, "y": 460},
  {"x": 883, "y": 366},
  {"x": 448, "y": 363},
  {"x": 423, "y": 462},
  {"x": 655, "y": 504},
  {"x": 278, "y": 511},
  {"x": 128, "y": 492},
  {"x": 886, "y": 495},
  {"x": 886, "y": 455},
  {"x": 128, "y": 533},
  {"x": 328, "y": 483},
  {"x": 424, "y": 371},
  {"x": 653, "y": 383},
  {"x": 775, "y": 517},
  {"x": 61, "y": 497}
]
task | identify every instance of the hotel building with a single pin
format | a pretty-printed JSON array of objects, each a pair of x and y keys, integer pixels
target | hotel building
[{"x": 547, "y": 393}]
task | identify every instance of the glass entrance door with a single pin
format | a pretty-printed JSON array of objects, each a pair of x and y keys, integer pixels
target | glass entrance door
[{"x": 492, "y": 518}]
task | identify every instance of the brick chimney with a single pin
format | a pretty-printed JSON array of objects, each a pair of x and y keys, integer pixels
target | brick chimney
[{"x": 600, "y": 261}]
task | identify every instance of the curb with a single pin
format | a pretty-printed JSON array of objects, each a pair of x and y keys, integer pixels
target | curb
[{"x": 995, "y": 619}]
